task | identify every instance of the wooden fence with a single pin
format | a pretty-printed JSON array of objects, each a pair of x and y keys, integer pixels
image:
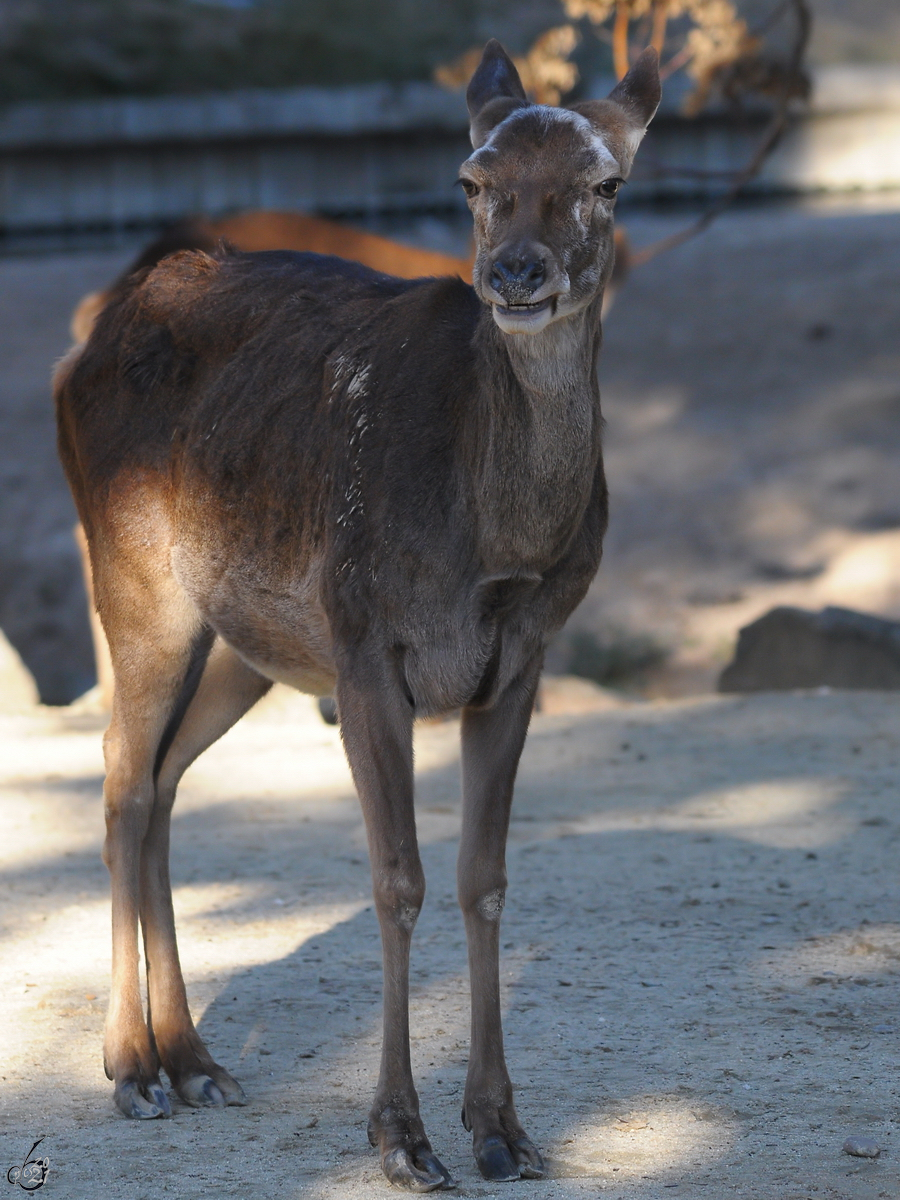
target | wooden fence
[{"x": 379, "y": 148}]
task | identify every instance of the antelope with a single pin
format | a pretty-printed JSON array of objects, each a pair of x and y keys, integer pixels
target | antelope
[{"x": 290, "y": 467}]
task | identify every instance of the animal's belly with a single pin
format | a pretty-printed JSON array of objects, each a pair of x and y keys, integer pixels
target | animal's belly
[
  {"x": 454, "y": 648},
  {"x": 277, "y": 626}
]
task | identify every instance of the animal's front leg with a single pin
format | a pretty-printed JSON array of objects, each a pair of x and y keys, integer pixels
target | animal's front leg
[
  {"x": 492, "y": 741},
  {"x": 376, "y": 725}
]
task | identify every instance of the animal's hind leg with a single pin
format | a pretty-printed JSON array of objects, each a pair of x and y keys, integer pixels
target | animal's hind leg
[
  {"x": 227, "y": 689},
  {"x": 154, "y": 635}
]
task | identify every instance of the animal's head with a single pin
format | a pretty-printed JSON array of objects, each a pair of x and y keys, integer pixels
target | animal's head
[{"x": 542, "y": 183}]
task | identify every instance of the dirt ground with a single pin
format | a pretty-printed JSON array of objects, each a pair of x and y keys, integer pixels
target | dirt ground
[{"x": 701, "y": 955}]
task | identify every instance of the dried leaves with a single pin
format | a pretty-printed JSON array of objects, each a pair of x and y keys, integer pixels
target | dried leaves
[
  {"x": 545, "y": 71},
  {"x": 708, "y": 39}
]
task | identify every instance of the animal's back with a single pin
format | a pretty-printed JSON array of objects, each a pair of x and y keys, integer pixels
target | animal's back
[{"x": 173, "y": 329}]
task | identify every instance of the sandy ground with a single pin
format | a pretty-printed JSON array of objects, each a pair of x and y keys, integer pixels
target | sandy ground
[{"x": 701, "y": 955}]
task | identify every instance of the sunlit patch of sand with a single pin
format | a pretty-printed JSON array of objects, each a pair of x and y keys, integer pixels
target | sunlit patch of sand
[
  {"x": 862, "y": 955},
  {"x": 53, "y": 968},
  {"x": 42, "y": 817},
  {"x": 781, "y": 813},
  {"x": 70, "y": 951},
  {"x": 656, "y": 1140},
  {"x": 283, "y": 750},
  {"x": 265, "y": 934}
]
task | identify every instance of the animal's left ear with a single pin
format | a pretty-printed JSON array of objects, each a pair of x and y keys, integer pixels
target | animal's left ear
[
  {"x": 494, "y": 91},
  {"x": 629, "y": 108},
  {"x": 639, "y": 93}
]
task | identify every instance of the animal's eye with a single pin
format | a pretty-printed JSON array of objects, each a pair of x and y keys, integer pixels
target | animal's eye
[
  {"x": 471, "y": 189},
  {"x": 608, "y": 188}
]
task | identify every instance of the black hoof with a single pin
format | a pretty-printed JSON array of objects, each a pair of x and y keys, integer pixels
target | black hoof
[
  {"x": 202, "y": 1091},
  {"x": 527, "y": 1155},
  {"x": 142, "y": 1102},
  {"x": 422, "y": 1172},
  {"x": 328, "y": 710},
  {"x": 503, "y": 1161},
  {"x": 495, "y": 1162}
]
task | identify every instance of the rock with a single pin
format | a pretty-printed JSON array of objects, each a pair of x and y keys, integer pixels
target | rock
[
  {"x": 569, "y": 695},
  {"x": 861, "y": 1147},
  {"x": 18, "y": 690},
  {"x": 794, "y": 648}
]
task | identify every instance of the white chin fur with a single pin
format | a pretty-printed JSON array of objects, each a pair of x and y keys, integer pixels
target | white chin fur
[{"x": 522, "y": 322}]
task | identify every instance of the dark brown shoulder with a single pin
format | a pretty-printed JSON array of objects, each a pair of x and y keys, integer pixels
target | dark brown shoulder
[
  {"x": 438, "y": 304},
  {"x": 194, "y": 233},
  {"x": 176, "y": 281}
]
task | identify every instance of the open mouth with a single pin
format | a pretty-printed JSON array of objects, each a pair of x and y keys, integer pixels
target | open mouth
[
  {"x": 527, "y": 310},
  {"x": 525, "y": 318}
]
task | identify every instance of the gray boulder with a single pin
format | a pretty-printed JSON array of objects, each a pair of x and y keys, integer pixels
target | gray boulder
[{"x": 793, "y": 648}]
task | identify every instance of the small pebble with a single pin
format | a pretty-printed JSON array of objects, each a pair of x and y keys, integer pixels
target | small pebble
[{"x": 861, "y": 1147}]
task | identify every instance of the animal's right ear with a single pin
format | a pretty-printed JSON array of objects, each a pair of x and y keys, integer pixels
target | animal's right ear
[{"x": 494, "y": 91}]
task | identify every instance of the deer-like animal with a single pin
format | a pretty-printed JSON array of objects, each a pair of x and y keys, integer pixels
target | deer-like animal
[
  {"x": 266, "y": 230},
  {"x": 292, "y": 468}
]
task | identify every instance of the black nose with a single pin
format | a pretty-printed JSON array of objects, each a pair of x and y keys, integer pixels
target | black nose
[{"x": 517, "y": 277}]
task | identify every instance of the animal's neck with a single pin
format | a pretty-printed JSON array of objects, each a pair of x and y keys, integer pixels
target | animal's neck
[
  {"x": 538, "y": 438},
  {"x": 557, "y": 363}
]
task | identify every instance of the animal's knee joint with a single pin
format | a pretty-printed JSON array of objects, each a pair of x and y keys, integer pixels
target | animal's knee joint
[
  {"x": 402, "y": 898},
  {"x": 490, "y": 905},
  {"x": 407, "y": 915},
  {"x": 137, "y": 802}
]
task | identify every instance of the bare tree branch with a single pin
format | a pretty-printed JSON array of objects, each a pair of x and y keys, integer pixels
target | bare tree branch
[{"x": 766, "y": 144}]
